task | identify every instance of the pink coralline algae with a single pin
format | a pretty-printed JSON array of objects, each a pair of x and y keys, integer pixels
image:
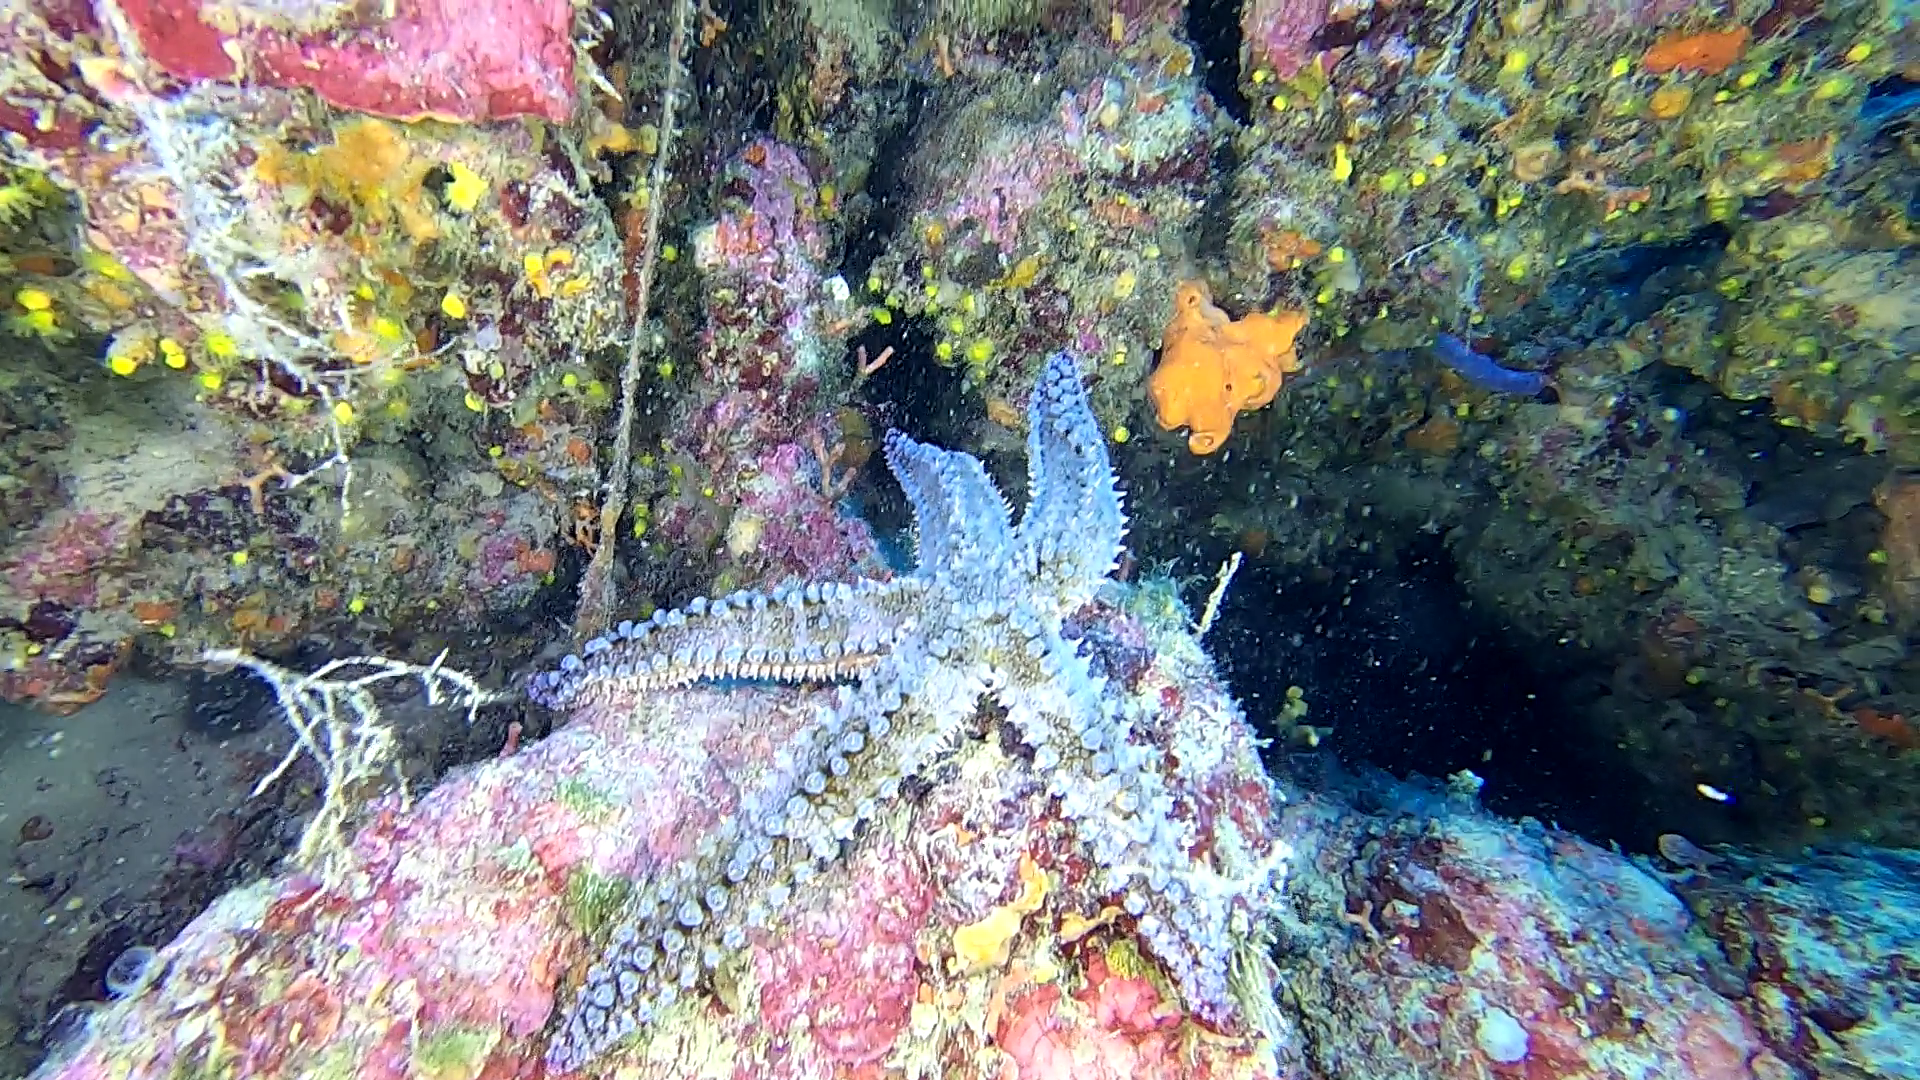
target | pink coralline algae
[
  {"x": 786, "y": 522},
  {"x": 771, "y": 229},
  {"x": 1004, "y": 185},
  {"x": 1277, "y": 35},
  {"x": 762, "y": 352},
  {"x": 437, "y": 59},
  {"x": 61, "y": 560},
  {"x": 1437, "y": 941}
]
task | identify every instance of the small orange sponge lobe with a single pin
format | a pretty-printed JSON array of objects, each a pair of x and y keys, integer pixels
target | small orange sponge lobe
[{"x": 1213, "y": 368}]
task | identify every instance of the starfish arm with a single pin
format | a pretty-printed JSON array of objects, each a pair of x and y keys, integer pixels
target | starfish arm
[
  {"x": 683, "y": 921},
  {"x": 820, "y": 633},
  {"x": 1075, "y": 520},
  {"x": 962, "y": 522}
]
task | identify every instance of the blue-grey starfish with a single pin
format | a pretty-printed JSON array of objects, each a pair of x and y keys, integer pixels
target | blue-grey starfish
[{"x": 980, "y": 616}]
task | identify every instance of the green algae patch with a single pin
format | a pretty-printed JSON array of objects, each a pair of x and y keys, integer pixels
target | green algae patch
[
  {"x": 594, "y": 901},
  {"x": 456, "y": 1053}
]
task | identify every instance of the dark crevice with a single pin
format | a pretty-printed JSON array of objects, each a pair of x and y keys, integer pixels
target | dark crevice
[
  {"x": 1213, "y": 26},
  {"x": 1405, "y": 674},
  {"x": 886, "y": 192}
]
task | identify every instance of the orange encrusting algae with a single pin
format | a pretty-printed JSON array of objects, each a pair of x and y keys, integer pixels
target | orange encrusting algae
[
  {"x": 1707, "y": 53},
  {"x": 1213, "y": 368}
]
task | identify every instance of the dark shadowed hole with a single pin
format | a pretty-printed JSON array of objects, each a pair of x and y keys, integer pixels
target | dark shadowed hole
[{"x": 1411, "y": 678}]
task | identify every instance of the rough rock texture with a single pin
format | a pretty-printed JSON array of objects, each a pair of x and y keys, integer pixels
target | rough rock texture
[
  {"x": 954, "y": 892},
  {"x": 1427, "y": 939}
]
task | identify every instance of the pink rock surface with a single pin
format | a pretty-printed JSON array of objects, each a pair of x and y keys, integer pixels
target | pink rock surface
[
  {"x": 437, "y": 943},
  {"x": 1460, "y": 945},
  {"x": 427, "y": 58}
]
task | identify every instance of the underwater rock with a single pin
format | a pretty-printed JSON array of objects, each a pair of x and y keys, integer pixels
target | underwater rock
[
  {"x": 1427, "y": 938},
  {"x": 935, "y": 888}
]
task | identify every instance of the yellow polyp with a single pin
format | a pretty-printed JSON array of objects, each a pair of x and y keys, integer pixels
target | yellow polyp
[
  {"x": 883, "y": 316},
  {"x": 1024, "y": 273},
  {"x": 122, "y": 364},
  {"x": 874, "y": 285},
  {"x": 560, "y": 257},
  {"x": 1074, "y": 926},
  {"x": 1516, "y": 63},
  {"x": 453, "y": 305},
  {"x": 33, "y": 299},
  {"x": 533, "y": 265},
  {"x": 1517, "y": 268},
  {"x": 356, "y": 605},
  {"x": 465, "y": 189},
  {"x": 105, "y": 265},
  {"x": 238, "y": 558},
  {"x": 1337, "y": 255},
  {"x": 388, "y": 330},
  {"x": 210, "y": 380},
  {"x": 665, "y": 368},
  {"x": 987, "y": 944},
  {"x": 1121, "y": 434},
  {"x": 574, "y": 286},
  {"x": 1622, "y": 67},
  {"x": 1859, "y": 52},
  {"x": 1837, "y": 86},
  {"x": 1418, "y": 178},
  {"x": 968, "y": 305},
  {"x": 956, "y": 325},
  {"x": 1342, "y": 168},
  {"x": 1124, "y": 284},
  {"x": 343, "y": 412},
  {"x": 980, "y": 351},
  {"x": 222, "y": 345},
  {"x": 40, "y": 322},
  {"x": 944, "y": 351},
  {"x": 173, "y": 358},
  {"x": 669, "y": 253},
  {"x": 476, "y": 402}
]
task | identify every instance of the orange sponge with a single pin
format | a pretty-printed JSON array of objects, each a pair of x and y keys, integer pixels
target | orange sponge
[{"x": 1213, "y": 368}]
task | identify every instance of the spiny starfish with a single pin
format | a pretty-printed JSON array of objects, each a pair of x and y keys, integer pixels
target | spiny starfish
[{"x": 979, "y": 617}]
